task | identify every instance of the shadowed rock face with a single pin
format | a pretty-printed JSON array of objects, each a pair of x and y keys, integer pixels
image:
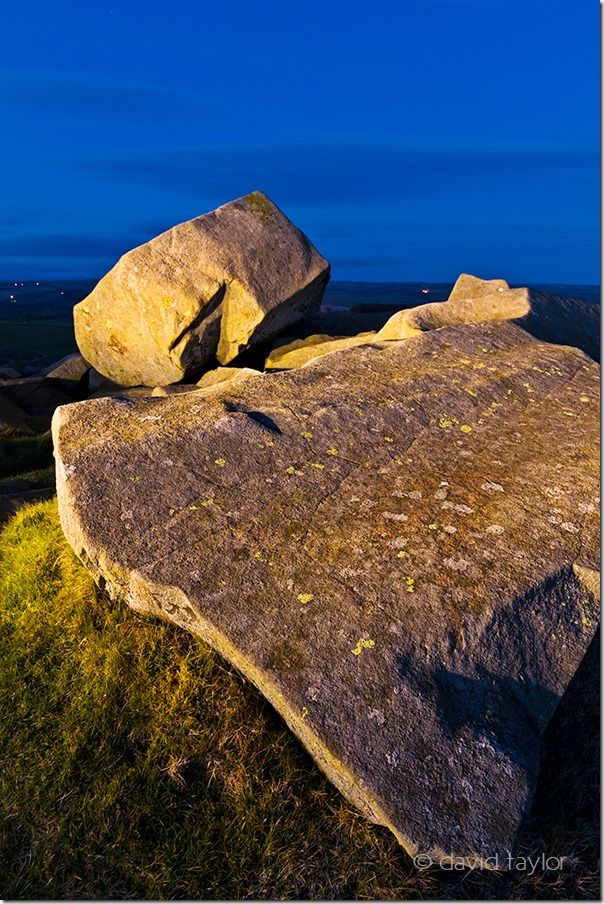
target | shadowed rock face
[
  {"x": 215, "y": 285},
  {"x": 395, "y": 544},
  {"x": 567, "y": 321}
]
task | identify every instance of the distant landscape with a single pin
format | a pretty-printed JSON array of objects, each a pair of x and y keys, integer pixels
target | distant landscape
[{"x": 48, "y": 304}]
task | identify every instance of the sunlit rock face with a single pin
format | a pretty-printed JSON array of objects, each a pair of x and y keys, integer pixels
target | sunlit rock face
[
  {"x": 567, "y": 321},
  {"x": 210, "y": 287},
  {"x": 284, "y": 356},
  {"x": 398, "y": 545}
]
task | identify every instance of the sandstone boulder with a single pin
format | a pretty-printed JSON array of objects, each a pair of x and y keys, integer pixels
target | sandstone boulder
[
  {"x": 213, "y": 286},
  {"x": 551, "y": 318},
  {"x": 174, "y": 389},
  {"x": 225, "y": 374},
  {"x": 36, "y": 397},
  {"x": 209, "y": 380},
  {"x": 397, "y": 545},
  {"x": 300, "y": 351},
  {"x": 72, "y": 368},
  {"x": 122, "y": 392}
]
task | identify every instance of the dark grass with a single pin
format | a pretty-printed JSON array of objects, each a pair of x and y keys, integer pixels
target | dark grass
[
  {"x": 35, "y": 479},
  {"x": 135, "y": 763},
  {"x": 53, "y": 338},
  {"x": 19, "y": 455}
]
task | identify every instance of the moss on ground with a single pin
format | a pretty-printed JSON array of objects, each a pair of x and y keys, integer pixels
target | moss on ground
[{"x": 134, "y": 763}]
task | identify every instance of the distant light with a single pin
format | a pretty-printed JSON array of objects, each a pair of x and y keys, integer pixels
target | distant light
[{"x": 37, "y": 283}]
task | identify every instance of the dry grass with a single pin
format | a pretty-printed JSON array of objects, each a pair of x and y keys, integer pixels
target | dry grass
[{"x": 134, "y": 763}]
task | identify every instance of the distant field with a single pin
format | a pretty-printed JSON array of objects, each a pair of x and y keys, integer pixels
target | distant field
[
  {"x": 36, "y": 318},
  {"x": 41, "y": 341}
]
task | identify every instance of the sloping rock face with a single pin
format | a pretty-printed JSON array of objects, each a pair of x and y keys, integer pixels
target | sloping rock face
[
  {"x": 71, "y": 369},
  {"x": 215, "y": 285},
  {"x": 567, "y": 321},
  {"x": 395, "y": 544}
]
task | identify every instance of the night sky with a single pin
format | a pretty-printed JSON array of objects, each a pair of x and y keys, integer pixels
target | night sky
[{"x": 411, "y": 139}]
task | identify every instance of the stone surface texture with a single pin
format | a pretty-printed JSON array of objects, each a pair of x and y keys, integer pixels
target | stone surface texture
[
  {"x": 212, "y": 286},
  {"x": 398, "y": 545}
]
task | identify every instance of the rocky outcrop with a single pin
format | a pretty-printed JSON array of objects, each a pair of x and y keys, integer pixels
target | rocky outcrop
[
  {"x": 225, "y": 374},
  {"x": 398, "y": 545},
  {"x": 213, "y": 286},
  {"x": 209, "y": 380},
  {"x": 71, "y": 369},
  {"x": 300, "y": 351},
  {"x": 551, "y": 318},
  {"x": 36, "y": 397}
]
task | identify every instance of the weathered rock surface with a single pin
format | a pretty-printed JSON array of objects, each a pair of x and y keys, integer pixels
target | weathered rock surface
[
  {"x": 225, "y": 374},
  {"x": 72, "y": 368},
  {"x": 216, "y": 285},
  {"x": 37, "y": 397},
  {"x": 174, "y": 389},
  {"x": 397, "y": 545},
  {"x": 300, "y": 351},
  {"x": 209, "y": 380},
  {"x": 9, "y": 373},
  {"x": 121, "y": 392},
  {"x": 566, "y": 321}
]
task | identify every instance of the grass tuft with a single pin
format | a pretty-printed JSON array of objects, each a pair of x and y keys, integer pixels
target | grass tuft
[{"x": 135, "y": 763}]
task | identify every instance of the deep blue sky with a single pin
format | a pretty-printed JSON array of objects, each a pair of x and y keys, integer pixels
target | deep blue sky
[{"x": 411, "y": 139}]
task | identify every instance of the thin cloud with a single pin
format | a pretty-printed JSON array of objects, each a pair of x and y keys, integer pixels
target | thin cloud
[
  {"x": 80, "y": 96},
  {"x": 51, "y": 245},
  {"x": 336, "y": 174}
]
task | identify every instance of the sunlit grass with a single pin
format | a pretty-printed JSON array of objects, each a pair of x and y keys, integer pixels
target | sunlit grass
[{"x": 135, "y": 763}]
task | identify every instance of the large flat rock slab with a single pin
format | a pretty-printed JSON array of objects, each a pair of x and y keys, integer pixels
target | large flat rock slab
[
  {"x": 398, "y": 545},
  {"x": 213, "y": 286}
]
